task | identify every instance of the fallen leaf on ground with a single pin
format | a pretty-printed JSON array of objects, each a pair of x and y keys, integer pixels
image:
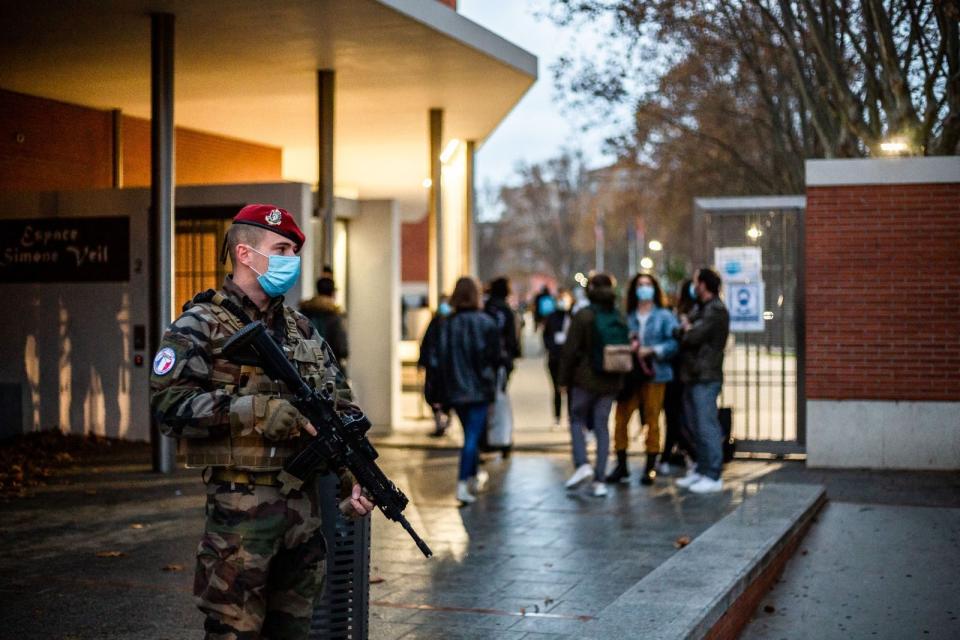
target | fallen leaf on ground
[
  {"x": 377, "y": 579},
  {"x": 110, "y": 554},
  {"x": 136, "y": 525},
  {"x": 681, "y": 542},
  {"x": 173, "y": 568}
]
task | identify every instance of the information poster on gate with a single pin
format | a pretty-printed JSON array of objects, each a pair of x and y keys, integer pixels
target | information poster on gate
[{"x": 742, "y": 271}]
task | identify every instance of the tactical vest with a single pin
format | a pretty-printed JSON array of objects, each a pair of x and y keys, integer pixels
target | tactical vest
[{"x": 244, "y": 447}]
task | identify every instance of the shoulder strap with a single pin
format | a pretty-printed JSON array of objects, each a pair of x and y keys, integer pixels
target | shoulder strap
[
  {"x": 234, "y": 314},
  {"x": 293, "y": 332}
]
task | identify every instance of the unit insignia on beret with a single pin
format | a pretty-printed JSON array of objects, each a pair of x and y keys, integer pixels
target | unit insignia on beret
[{"x": 274, "y": 217}]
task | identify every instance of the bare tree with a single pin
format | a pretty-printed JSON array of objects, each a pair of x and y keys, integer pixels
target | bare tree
[{"x": 767, "y": 83}]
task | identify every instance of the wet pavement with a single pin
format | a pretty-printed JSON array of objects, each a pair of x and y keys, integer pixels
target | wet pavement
[{"x": 527, "y": 558}]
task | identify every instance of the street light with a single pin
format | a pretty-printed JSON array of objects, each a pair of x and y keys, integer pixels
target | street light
[
  {"x": 754, "y": 232},
  {"x": 894, "y": 147},
  {"x": 655, "y": 245}
]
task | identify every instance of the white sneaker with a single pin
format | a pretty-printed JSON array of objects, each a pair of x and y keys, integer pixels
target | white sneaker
[
  {"x": 691, "y": 478},
  {"x": 480, "y": 481},
  {"x": 463, "y": 493},
  {"x": 599, "y": 489},
  {"x": 663, "y": 468},
  {"x": 707, "y": 485},
  {"x": 583, "y": 472}
]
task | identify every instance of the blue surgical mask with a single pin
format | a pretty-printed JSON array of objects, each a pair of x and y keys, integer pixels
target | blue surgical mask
[
  {"x": 282, "y": 273},
  {"x": 645, "y": 292},
  {"x": 693, "y": 291},
  {"x": 444, "y": 309}
]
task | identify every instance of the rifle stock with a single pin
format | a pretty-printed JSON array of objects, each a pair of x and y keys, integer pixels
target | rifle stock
[{"x": 340, "y": 440}]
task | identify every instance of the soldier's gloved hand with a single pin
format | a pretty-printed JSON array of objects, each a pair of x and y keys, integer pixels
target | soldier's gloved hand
[{"x": 282, "y": 420}]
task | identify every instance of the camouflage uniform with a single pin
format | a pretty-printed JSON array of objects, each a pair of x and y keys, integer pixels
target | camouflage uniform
[{"x": 260, "y": 564}]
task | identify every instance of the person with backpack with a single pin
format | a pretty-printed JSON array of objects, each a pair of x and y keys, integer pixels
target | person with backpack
[
  {"x": 651, "y": 331},
  {"x": 595, "y": 357},
  {"x": 543, "y": 305}
]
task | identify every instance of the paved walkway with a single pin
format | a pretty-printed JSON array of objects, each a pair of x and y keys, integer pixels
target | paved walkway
[
  {"x": 528, "y": 557},
  {"x": 880, "y": 562}
]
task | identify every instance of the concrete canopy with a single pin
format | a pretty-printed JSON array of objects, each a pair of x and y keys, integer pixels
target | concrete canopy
[{"x": 247, "y": 69}]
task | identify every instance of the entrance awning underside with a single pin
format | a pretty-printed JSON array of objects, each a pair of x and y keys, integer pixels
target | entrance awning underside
[{"x": 247, "y": 69}]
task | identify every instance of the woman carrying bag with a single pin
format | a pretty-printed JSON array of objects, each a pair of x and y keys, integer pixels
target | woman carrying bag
[
  {"x": 651, "y": 330},
  {"x": 469, "y": 355}
]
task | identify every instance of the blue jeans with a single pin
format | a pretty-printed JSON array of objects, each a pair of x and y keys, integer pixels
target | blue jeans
[
  {"x": 590, "y": 410},
  {"x": 700, "y": 407},
  {"x": 473, "y": 417}
]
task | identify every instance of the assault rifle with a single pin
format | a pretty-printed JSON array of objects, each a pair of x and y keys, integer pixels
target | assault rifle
[{"x": 341, "y": 439}]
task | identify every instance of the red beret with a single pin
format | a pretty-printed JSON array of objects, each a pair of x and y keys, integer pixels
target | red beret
[{"x": 271, "y": 218}]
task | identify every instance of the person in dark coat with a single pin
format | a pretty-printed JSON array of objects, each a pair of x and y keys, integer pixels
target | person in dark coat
[
  {"x": 679, "y": 440},
  {"x": 703, "y": 340},
  {"x": 429, "y": 361},
  {"x": 591, "y": 393},
  {"x": 469, "y": 349},
  {"x": 499, "y": 309},
  {"x": 555, "y": 328},
  {"x": 327, "y": 317}
]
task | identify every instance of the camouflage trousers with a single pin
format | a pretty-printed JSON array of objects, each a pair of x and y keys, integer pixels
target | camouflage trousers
[{"x": 261, "y": 562}]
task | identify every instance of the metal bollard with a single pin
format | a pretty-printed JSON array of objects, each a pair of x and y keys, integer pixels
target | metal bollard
[{"x": 342, "y": 611}]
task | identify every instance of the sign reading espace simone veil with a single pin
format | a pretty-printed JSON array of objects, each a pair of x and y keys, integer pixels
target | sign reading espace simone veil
[{"x": 65, "y": 249}]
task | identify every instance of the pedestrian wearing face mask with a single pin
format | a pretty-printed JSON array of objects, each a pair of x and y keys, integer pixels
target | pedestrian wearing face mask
[
  {"x": 678, "y": 447},
  {"x": 261, "y": 560},
  {"x": 555, "y": 327},
  {"x": 433, "y": 387},
  {"x": 651, "y": 331}
]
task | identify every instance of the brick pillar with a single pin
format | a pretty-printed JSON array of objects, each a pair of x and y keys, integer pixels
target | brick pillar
[{"x": 882, "y": 313}]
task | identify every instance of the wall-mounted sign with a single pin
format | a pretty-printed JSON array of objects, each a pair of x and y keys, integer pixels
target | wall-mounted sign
[
  {"x": 745, "y": 304},
  {"x": 65, "y": 249},
  {"x": 739, "y": 264}
]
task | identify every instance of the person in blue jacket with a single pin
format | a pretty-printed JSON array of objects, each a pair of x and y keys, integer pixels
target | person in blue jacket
[{"x": 651, "y": 334}]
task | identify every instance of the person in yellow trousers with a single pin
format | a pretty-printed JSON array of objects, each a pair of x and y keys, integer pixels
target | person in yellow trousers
[{"x": 651, "y": 332}]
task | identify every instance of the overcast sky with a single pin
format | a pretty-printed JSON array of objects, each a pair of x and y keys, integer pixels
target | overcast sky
[{"x": 537, "y": 128}]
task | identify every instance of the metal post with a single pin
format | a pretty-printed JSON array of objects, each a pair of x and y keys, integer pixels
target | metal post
[
  {"x": 325, "y": 93},
  {"x": 435, "y": 207},
  {"x": 469, "y": 254},
  {"x": 800, "y": 322},
  {"x": 598, "y": 237},
  {"x": 161, "y": 204},
  {"x": 116, "y": 120}
]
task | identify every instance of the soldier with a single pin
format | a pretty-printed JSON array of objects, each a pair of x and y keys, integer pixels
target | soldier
[{"x": 261, "y": 561}]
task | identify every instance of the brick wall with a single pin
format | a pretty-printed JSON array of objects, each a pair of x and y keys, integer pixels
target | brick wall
[
  {"x": 202, "y": 158},
  {"x": 414, "y": 251},
  {"x": 50, "y": 145},
  {"x": 882, "y": 291},
  {"x": 46, "y": 144}
]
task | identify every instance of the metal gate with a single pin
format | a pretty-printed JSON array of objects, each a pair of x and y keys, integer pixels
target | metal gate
[{"x": 763, "y": 371}]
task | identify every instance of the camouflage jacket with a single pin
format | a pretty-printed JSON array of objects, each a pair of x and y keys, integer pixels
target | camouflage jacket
[{"x": 215, "y": 406}]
